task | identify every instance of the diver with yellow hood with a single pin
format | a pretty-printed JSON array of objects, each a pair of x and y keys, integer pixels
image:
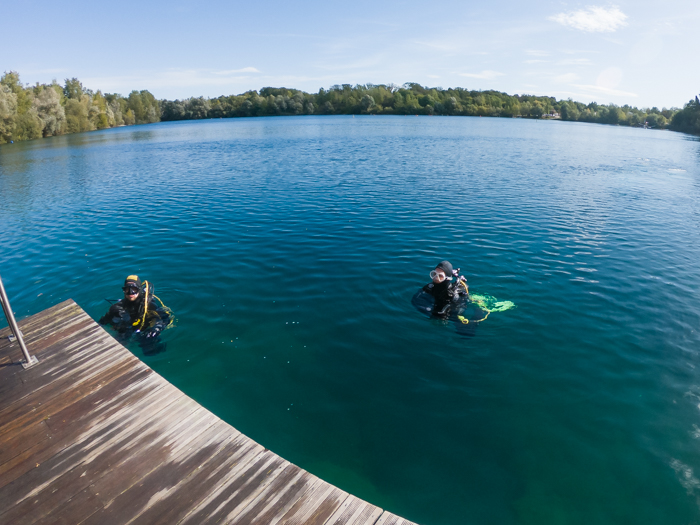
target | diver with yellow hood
[{"x": 140, "y": 312}]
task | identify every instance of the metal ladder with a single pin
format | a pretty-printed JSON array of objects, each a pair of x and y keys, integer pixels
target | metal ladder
[{"x": 17, "y": 334}]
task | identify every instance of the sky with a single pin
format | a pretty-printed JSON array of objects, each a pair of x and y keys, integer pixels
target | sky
[{"x": 642, "y": 53}]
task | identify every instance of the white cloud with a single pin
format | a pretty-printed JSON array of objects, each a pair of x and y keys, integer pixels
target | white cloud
[
  {"x": 484, "y": 75},
  {"x": 594, "y": 19},
  {"x": 536, "y": 53},
  {"x": 235, "y": 71},
  {"x": 536, "y": 61}
]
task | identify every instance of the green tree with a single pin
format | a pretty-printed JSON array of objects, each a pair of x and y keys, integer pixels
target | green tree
[
  {"x": 129, "y": 118},
  {"x": 77, "y": 115},
  {"x": 537, "y": 109},
  {"x": 137, "y": 107},
  {"x": 197, "y": 108},
  {"x": 8, "y": 113},
  {"x": 512, "y": 107},
  {"x": 49, "y": 110},
  {"x": 27, "y": 112},
  {"x": 367, "y": 102},
  {"x": 614, "y": 115},
  {"x": 687, "y": 119},
  {"x": 28, "y": 126},
  {"x": 24, "y": 101},
  {"x": 144, "y": 107},
  {"x": 73, "y": 89},
  {"x": 569, "y": 111}
]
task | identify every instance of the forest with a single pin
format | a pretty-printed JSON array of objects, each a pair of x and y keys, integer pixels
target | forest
[{"x": 43, "y": 110}]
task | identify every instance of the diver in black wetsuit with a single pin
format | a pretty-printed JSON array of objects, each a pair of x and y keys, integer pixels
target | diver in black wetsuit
[
  {"x": 444, "y": 289},
  {"x": 139, "y": 313}
]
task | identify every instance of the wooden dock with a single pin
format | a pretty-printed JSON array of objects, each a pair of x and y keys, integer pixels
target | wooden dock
[{"x": 91, "y": 435}]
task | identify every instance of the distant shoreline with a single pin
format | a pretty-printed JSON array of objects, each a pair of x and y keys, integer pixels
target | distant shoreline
[{"x": 44, "y": 110}]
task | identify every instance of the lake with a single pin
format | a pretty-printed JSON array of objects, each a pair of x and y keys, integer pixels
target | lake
[{"x": 290, "y": 248}]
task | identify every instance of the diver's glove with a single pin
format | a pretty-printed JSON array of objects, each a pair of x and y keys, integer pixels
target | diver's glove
[{"x": 153, "y": 333}]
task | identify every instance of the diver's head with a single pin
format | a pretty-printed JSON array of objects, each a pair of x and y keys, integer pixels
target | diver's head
[
  {"x": 441, "y": 272},
  {"x": 132, "y": 288}
]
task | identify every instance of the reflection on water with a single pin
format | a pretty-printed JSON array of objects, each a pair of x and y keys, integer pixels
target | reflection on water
[{"x": 290, "y": 249}]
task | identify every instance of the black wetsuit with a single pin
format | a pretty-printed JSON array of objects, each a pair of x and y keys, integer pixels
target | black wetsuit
[
  {"x": 123, "y": 314},
  {"x": 444, "y": 293}
]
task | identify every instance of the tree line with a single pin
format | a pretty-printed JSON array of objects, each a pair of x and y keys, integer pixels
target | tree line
[
  {"x": 687, "y": 119},
  {"x": 43, "y": 110},
  {"x": 409, "y": 99}
]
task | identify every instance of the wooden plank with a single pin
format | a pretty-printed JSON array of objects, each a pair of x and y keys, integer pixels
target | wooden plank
[
  {"x": 72, "y": 511},
  {"x": 67, "y": 308},
  {"x": 114, "y": 395},
  {"x": 48, "y": 317},
  {"x": 36, "y": 328},
  {"x": 315, "y": 506},
  {"x": 57, "y": 309},
  {"x": 74, "y": 344},
  {"x": 355, "y": 511},
  {"x": 100, "y": 420},
  {"x": 41, "y": 490},
  {"x": 44, "y": 346},
  {"x": 276, "y": 499},
  {"x": 10, "y": 381},
  {"x": 174, "y": 505},
  {"x": 43, "y": 391},
  {"x": 67, "y": 355},
  {"x": 163, "y": 494},
  {"x": 77, "y": 348},
  {"x": 68, "y": 425},
  {"x": 66, "y": 442},
  {"x": 4, "y": 343},
  {"x": 231, "y": 497},
  {"x": 14, "y": 444},
  {"x": 44, "y": 331},
  {"x": 166, "y": 446},
  {"x": 387, "y": 518},
  {"x": 62, "y": 391},
  {"x": 71, "y": 408}
]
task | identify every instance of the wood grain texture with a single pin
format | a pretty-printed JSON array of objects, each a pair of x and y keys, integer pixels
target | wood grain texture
[
  {"x": 91, "y": 435},
  {"x": 387, "y": 518},
  {"x": 354, "y": 511}
]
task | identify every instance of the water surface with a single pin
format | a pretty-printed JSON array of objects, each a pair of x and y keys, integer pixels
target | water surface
[{"x": 290, "y": 248}]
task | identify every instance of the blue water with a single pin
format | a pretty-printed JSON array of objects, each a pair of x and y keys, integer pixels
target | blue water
[{"x": 290, "y": 248}]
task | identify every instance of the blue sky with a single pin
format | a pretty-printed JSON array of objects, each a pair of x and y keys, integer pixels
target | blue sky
[{"x": 643, "y": 53}]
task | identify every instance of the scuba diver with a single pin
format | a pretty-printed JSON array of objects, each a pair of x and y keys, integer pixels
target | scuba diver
[
  {"x": 444, "y": 290},
  {"x": 447, "y": 298},
  {"x": 138, "y": 314}
]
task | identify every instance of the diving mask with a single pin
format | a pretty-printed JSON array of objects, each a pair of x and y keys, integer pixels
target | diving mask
[{"x": 440, "y": 276}]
